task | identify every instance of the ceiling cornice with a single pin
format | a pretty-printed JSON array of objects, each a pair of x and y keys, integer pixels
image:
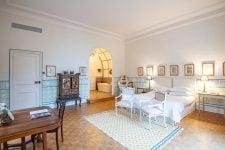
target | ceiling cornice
[
  {"x": 35, "y": 14},
  {"x": 184, "y": 20}
]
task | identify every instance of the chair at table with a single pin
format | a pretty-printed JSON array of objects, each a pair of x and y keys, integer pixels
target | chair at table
[
  {"x": 156, "y": 108},
  {"x": 61, "y": 104},
  {"x": 126, "y": 99}
]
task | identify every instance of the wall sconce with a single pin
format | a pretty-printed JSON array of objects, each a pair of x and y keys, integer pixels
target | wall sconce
[
  {"x": 204, "y": 78},
  {"x": 99, "y": 70}
]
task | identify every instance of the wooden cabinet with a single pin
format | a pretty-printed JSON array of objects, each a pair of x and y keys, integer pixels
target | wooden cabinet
[{"x": 69, "y": 87}]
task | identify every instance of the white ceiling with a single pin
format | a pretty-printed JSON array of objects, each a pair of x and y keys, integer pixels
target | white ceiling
[{"x": 123, "y": 17}]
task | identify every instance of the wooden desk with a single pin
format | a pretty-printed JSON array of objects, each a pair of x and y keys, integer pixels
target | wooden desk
[
  {"x": 213, "y": 95},
  {"x": 23, "y": 125}
]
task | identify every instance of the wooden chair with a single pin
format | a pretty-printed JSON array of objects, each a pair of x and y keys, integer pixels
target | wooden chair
[{"x": 61, "y": 109}]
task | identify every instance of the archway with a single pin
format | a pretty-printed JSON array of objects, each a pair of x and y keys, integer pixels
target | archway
[{"x": 100, "y": 73}]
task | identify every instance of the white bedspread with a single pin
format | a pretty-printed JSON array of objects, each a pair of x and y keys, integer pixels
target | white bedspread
[{"x": 175, "y": 105}]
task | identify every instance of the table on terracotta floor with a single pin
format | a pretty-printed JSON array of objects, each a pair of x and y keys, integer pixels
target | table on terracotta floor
[{"x": 23, "y": 125}]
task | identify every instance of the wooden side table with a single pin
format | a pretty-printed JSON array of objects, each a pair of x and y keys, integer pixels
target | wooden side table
[{"x": 212, "y": 95}]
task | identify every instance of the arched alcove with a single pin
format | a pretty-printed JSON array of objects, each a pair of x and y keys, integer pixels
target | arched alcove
[{"x": 100, "y": 73}]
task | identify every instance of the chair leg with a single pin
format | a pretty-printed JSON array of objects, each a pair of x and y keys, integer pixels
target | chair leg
[
  {"x": 33, "y": 141},
  {"x": 56, "y": 139},
  {"x": 164, "y": 119},
  {"x": 149, "y": 121},
  {"x": 140, "y": 114},
  {"x": 5, "y": 146},
  {"x": 62, "y": 133},
  {"x": 116, "y": 110},
  {"x": 131, "y": 112}
]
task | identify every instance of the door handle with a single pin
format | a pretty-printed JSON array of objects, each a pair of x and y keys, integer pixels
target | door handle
[{"x": 37, "y": 82}]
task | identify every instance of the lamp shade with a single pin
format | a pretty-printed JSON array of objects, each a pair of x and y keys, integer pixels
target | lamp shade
[
  {"x": 149, "y": 77},
  {"x": 204, "y": 78}
]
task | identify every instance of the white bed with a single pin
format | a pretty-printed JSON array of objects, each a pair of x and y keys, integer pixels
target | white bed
[{"x": 180, "y": 100}]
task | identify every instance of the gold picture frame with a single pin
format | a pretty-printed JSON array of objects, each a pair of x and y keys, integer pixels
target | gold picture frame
[
  {"x": 50, "y": 71},
  {"x": 140, "y": 71},
  {"x": 149, "y": 70},
  {"x": 174, "y": 70},
  {"x": 161, "y": 70},
  {"x": 189, "y": 69},
  {"x": 208, "y": 68}
]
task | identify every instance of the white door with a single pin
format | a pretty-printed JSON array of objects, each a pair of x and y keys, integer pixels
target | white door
[{"x": 25, "y": 79}]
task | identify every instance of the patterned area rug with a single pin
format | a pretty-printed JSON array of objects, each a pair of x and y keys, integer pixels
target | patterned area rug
[{"x": 133, "y": 133}]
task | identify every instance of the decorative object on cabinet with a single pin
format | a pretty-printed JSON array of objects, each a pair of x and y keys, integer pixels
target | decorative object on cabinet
[
  {"x": 208, "y": 68},
  {"x": 149, "y": 70},
  {"x": 140, "y": 71},
  {"x": 224, "y": 68},
  {"x": 83, "y": 71},
  {"x": 161, "y": 70},
  {"x": 189, "y": 70},
  {"x": 50, "y": 71},
  {"x": 174, "y": 70},
  {"x": 69, "y": 87}
]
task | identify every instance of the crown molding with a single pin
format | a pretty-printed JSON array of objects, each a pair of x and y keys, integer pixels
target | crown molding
[
  {"x": 18, "y": 10},
  {"x": 212, "y": 11}
]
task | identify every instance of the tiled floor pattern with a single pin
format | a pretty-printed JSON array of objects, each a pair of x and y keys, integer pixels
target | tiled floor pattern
[{"x": 206, "y": 132}]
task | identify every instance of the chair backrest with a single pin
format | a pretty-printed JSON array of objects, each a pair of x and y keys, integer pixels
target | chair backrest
[
  {"x": 127, "y": 93},
  {"x": 159, "y": 96},
  {"x": 61, "y": 110}
]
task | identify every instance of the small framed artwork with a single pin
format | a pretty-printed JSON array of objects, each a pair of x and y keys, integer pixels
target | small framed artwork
[
  {"x": 174, "y": 70},
  {"x": 50, "y": 71},
  {"x": 189, "y": 70},
  {"x": 223, "y": 68},
  {"x": 208, "y": 68},
  {"x": 140, "y": 71},
  {"x": 83, "y": 71},
  {"x": 149, "y": 70},
  {"x": 161, "y": 70}
]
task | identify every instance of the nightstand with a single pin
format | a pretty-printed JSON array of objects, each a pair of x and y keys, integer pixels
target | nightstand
[{"x": 202, "y": 95}]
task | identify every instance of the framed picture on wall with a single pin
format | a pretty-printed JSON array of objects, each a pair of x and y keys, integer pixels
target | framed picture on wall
[
  {"x": 83, "y": 71},
  {"x": 174, "y": 70},
  {"x": 149, "y": 70},
  {"x": 224, "y": 68},
  {"x": 208, "y": 68},
  {"x": 189, "y": 70},
  {"x": 161, "y": 70},
  {"x": 50, "y": 71},
  {"x": 140, "y": 71}
]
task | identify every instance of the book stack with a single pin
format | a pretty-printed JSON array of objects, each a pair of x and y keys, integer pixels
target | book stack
[{"x": 39, "y": 113}]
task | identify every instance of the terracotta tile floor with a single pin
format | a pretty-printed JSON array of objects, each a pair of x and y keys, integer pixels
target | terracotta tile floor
[{"x": 201, "y": 133}]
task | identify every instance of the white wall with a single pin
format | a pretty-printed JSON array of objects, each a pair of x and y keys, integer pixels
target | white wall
[
  {"x": 63, "y": 46},
  {"x": 194, "y": 43}
]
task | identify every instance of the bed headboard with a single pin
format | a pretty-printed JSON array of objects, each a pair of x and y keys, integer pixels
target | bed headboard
[
  {"x": 162, "y": 81},
  {"x": 184, "y": 82}
]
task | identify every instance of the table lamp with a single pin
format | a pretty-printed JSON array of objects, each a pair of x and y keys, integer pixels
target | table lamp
[{"x": 204, "y": 78}]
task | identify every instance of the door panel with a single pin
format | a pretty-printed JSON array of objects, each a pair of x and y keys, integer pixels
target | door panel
[{"x": 25, "y": 69}]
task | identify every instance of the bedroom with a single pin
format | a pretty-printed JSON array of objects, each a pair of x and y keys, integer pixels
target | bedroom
[{"x": 192, "y": 38}]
